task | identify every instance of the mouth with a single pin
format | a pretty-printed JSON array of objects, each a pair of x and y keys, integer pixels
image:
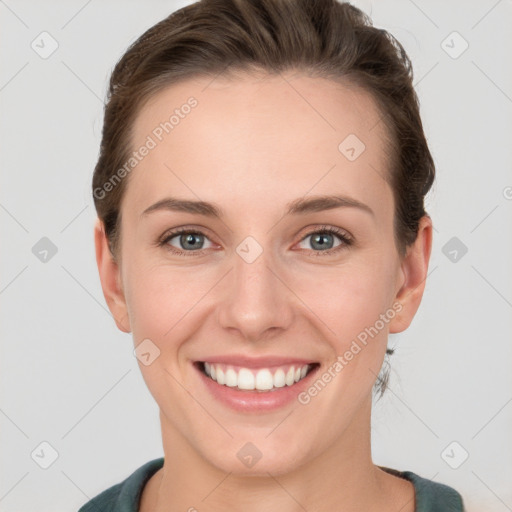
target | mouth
[{"x": 265, "y": 379}]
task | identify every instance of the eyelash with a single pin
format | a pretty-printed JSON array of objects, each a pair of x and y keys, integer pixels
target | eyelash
[{"x": 345, "y": 239}]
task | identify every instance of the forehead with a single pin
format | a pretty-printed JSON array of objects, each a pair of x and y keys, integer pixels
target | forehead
[
  {"x": 262, "y": 99},
  {"x": 258, "y": 135}
]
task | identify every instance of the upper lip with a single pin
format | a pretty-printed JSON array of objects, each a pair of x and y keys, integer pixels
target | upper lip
[{"x": 256, "y": 362}]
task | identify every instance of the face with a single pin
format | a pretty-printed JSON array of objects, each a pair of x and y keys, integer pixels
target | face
[{"x": 290, "y": 271}]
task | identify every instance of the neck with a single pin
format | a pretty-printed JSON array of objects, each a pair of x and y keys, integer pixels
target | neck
[{"x": 342, "y": 477}]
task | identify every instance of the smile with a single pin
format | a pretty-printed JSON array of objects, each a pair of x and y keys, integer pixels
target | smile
[{"x": 259, "y": 379}]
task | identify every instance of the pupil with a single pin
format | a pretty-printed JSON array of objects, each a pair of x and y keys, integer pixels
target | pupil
[
  {"x": 188, "y": 238},
  {"x": 318, "y": 238}
]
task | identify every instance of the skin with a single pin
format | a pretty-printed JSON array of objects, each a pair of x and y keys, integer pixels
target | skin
[{"x": 253, "y": 144}]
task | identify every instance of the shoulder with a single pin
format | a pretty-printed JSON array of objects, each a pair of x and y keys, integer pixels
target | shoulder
[
  {"x": 431, "y": 496},
  {"x": 124, "y": 496}
]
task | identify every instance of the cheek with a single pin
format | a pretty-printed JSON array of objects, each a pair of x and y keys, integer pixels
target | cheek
[
  {"x": 162, "y": 309},
  {"x": 357, "y": 308},
  {"x": 159, "y": 300},
  {"x": 351, "y": 297}
]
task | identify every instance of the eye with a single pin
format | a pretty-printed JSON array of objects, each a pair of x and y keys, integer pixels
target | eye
[
  {"x": 323, "y": 239},
  {"x": 188, "y": 241},
  {"x": 191, "y": 242}
]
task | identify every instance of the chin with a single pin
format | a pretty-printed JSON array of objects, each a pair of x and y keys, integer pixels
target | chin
[{"x": 257, "y": 459}]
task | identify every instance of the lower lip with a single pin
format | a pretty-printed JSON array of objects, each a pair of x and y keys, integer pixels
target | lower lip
[{"x": 256, "y": 401}]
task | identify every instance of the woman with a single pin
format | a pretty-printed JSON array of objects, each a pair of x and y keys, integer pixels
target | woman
[{"x": 261, "y": 230}]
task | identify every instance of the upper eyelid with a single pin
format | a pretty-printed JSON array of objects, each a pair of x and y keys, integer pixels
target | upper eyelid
[{"x": 171, "y": 233}]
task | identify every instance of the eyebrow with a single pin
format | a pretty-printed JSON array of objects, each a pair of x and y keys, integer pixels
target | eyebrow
[{"x": 299, "y": 206}]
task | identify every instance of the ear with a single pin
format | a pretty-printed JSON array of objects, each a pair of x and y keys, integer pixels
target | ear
[
  {"x": 413, "y": 274},
  {"x": 110, "y": 277}
]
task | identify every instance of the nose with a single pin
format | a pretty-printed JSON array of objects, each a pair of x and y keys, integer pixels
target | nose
[{"x": 257, "y": 302}]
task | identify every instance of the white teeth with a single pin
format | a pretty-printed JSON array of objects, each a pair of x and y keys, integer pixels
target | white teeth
[
  {"x": 279, "y": 378},
  {"x": 231, "y": 378},
  {"x": 261, "y": 380},
  {"x": 264, "y": 380},
  {"x": 245, "y": 379}
]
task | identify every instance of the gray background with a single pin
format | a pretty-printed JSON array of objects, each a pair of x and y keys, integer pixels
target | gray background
[{"x": 69, "y": 377}]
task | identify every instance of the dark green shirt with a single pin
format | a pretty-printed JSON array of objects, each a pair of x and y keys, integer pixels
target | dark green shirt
[{"x": 125, "y": 496}]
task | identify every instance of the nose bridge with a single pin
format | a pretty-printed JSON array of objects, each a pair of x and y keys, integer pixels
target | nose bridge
[
  {"x": 252, "y": 273},
  {"x": 256, "y": 300}
]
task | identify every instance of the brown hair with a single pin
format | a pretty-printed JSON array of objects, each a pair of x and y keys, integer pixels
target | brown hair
[{"x": 325, "y": 38}]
